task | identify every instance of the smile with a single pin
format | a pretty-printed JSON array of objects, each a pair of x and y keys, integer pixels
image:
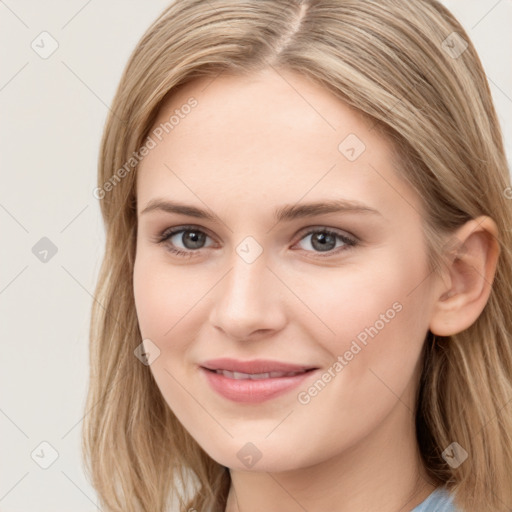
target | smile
[{"x": 253, "y": 388}]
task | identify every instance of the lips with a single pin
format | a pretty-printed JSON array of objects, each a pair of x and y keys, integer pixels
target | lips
[{"x": 253, "y": 381}]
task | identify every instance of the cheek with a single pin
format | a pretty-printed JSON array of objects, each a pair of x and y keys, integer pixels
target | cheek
[
  {"x": 379, "y": 324},
  {"x": 380, "y": 317},
  {"x": 164, "y": 301},
  {"x": 380, "y": 304},
  {"x": 162, "y": 295},
  {"x": 385, "y": 292}
]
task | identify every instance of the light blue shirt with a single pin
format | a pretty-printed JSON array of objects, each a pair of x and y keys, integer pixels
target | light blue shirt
[{"x": 440, "y": 500}]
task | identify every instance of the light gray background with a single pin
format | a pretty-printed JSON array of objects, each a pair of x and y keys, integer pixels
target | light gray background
[{"x": 52, "y": 115}]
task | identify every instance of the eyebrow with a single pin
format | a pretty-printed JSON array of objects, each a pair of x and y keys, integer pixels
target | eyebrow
[{"x": 283, "y": 213}]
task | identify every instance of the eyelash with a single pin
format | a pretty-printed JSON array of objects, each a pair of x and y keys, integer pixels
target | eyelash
[{"x": 165, "y": 235}]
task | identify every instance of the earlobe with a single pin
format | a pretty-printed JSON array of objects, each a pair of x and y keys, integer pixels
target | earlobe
[{"x": 472, "y": 254}]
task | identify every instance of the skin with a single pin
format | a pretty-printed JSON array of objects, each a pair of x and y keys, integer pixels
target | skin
[{"x": 250, "y": 145}]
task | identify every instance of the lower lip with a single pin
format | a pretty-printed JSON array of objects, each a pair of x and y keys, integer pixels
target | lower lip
[{"x": 253, "y": 391}]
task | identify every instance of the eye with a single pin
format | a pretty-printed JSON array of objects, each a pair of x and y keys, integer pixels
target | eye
[
  {"x": 191, "y": 237},
  {"x": 325, "y": 240}
]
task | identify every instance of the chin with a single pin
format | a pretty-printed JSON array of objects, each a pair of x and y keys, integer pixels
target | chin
[{"x": 258, "y": 456}]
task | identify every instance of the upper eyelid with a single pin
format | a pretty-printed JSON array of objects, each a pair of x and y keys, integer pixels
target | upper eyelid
[{"x": 168, "y": 232}]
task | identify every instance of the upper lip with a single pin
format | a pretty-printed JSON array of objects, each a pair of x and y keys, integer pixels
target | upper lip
[{"x": 254, "y": 366}]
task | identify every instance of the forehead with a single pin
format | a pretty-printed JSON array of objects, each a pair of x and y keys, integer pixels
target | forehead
[{"x": 272, "y": 134}]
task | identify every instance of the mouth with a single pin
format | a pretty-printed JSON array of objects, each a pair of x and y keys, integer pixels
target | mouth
[{"x": 253, "y": 381}]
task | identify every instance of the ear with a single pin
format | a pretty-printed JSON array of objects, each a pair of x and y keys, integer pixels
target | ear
[{"x": 472, "y": 255}]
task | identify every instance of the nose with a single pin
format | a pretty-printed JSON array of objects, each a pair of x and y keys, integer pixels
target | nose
[{"x": 248, "y": 302}]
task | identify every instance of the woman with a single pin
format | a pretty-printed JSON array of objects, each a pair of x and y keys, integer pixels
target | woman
[{"x": 304, "y": 299}]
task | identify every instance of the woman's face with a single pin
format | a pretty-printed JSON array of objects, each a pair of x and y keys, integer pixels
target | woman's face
[{"x": 343, "y": 293}]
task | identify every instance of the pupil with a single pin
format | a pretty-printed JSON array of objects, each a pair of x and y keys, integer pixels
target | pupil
[{"x": 326, "y": 242}]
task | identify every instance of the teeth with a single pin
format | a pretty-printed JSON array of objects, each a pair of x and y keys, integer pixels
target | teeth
[{"x": 255, "y": 376}]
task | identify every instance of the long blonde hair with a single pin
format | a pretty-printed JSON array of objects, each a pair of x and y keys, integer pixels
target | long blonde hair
[{"x": 406, "y": 67}]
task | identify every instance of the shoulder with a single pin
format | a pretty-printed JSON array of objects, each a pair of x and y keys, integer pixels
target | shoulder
[{"x": 440, "y": 500}]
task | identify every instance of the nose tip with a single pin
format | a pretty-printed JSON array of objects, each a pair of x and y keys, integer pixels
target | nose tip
[{"x": 247, "y": 301}]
